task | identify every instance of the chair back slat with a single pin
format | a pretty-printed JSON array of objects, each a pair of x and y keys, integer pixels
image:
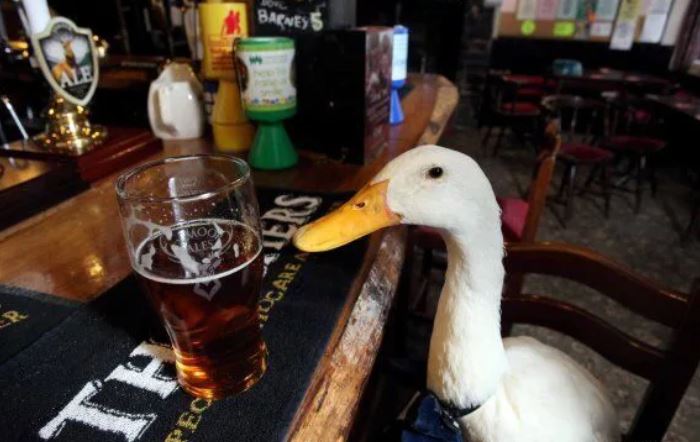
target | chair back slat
[
  {"x": 665, "y": 393},
  {"x": 581, "y": 118},
  {"x": 618, "y": 347},
  {"x": 537, "y": 194},
  {"x": 597, "y": 272}
]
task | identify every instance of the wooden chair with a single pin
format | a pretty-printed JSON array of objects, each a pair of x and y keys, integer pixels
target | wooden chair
[
  {"x": 669, "y": 370},
  {"x": 521, "y": 218}
]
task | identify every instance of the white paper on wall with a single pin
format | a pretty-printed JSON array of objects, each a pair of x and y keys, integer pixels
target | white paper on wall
[
  {"x": 674, "y": 22},
  {"x": 623, "y": 35},
  {"x": 606, "y": 10},
  {"x": 567, "y": 9},
  {"x": 547, "y": 9},
  {"x": 655, "y": 21},
  {"x": 527, "y": 9},
  {"x": 601, "y": 29},
  {"x": 508, "y": 6}
]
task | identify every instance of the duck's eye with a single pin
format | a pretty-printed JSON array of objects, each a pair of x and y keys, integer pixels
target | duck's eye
[{"x": 435, "y": 172}]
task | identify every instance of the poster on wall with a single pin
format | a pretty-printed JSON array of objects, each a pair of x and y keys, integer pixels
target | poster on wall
[
  {"x": 585, "y": 17},
  {"x": 606, "y": 10},
  {"x": 655, "y": 21},
  {"x": 567, "y": 9},
  {"x": 527, "y": 9},
  {"x": 508, "y": 6},
  {"x": 623, "y": 35},
  {"x": 547, "y": 9},
  {"x": 601, "y": 29}
]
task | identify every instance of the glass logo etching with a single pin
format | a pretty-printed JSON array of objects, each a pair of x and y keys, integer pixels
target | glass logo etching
[{"x": 198, "y": 252}]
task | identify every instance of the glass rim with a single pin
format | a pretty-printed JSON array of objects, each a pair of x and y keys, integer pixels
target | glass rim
[{"x": 123, "y": 194}]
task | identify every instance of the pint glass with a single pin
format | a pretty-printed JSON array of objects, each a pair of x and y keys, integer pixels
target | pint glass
[{"x": 192, "y": 229}]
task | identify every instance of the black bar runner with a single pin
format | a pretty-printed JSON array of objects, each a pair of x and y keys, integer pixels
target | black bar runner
[{"x": 94, "y": 372}]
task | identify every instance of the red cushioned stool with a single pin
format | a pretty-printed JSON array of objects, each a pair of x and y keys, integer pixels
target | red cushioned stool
[
  {"x": 582, "y": 121},
  {"x": 633, "y": 122},
  {"x": 512, "y": 102}
]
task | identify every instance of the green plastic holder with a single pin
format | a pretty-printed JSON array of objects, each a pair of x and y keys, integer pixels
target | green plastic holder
[
  {"x": 272, "y": 149},
  {"x": 266, "y": 76}
]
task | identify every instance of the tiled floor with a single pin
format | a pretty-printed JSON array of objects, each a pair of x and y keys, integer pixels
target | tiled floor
[{"x": 649, "y": 242}]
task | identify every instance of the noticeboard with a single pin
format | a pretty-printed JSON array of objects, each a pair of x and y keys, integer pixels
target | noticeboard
[{"x": 619, "y": 22}]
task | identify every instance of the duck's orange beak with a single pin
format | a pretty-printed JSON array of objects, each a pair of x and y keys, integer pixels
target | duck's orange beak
[{"x": 365, "y": 213}]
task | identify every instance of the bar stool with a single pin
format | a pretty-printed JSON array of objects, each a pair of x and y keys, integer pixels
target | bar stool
[
  {"x": 581, "y": 119},
  {"x": 632, "y": 124},
  {"x": 507, "y": 108}
]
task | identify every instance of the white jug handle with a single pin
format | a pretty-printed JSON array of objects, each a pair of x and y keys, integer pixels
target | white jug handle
[{"x": 165, "y": 109}]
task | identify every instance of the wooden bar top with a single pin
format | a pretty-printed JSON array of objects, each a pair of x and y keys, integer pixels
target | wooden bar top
[{"x": 75, "y": 250}]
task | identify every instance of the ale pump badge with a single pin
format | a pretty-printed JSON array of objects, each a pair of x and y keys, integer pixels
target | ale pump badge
[{"x": 68, "y": 59}]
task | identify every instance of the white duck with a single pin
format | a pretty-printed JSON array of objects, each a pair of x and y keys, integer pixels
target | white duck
[{"x": 525, "y": 390}]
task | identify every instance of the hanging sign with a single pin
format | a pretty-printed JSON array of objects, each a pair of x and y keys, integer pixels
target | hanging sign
[{"x": 68, "y": 59}]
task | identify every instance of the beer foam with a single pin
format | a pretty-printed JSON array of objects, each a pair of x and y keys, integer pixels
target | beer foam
[{"x": 186, "y": 260}]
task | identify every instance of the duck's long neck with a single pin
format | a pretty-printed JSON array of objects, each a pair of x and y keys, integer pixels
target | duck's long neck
[{"x": 467, "y": 359}]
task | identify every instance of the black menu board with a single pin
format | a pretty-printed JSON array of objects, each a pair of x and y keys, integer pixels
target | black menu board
[{"x": 290, "y": 17}]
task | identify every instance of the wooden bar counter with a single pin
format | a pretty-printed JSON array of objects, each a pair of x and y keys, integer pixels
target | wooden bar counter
[{"x": 75, "y": 250}]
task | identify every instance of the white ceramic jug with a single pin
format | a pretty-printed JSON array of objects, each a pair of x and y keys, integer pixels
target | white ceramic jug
[{"x": 175, "y": 108}]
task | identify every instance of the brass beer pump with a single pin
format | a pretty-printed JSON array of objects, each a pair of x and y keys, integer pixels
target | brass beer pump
[{"x": 68, "y": 59}]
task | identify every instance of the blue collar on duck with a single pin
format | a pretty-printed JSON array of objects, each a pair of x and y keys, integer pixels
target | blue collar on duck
[
  {"x": 430, "y": 419},
  {"x": 451, "y": 414}
]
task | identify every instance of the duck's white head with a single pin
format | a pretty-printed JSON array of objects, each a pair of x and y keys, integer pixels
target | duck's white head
[{"x": 429, "y": 185}]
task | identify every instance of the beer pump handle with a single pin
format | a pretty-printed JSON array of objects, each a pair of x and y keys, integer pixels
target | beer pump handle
[
  {"x": 36, "y": 15},
  {"x": 3, "y": 138},
  {"x": 14, "y": 116}
]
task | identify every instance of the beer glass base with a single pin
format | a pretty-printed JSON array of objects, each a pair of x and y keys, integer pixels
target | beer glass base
[{"x": 229, "y": 389}]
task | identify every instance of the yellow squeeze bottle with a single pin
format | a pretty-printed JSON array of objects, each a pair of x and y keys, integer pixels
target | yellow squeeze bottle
[{"x": 221, "y": 24}]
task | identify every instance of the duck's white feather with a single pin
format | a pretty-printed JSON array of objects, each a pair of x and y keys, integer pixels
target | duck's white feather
[
  {"x": 544, "y": 396},
  {"x": 529, "y": 391}
]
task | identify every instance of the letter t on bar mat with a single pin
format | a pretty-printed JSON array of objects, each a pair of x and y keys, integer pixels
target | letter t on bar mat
[{"x": 97, "y": 375}]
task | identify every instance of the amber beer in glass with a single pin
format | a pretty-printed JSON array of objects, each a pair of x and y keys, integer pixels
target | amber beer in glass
[{"x": 192, "y": 229}]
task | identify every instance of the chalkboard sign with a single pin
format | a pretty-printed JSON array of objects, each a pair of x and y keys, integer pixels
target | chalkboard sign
[{"x": 290, "y": 17}]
